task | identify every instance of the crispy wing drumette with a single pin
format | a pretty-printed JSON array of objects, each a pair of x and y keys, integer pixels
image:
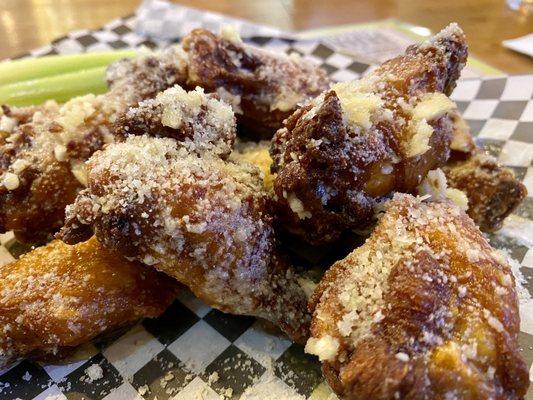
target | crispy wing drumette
[
  {"x": 263, "y": 86},
  {"x": 57, "y": 297},
  {"x": 493, "y": 191},
  {"x": 425, "y": 309},
  {"x": 201, "y": 220},
  {"x": 200, "y": 122},
  {"x": 365, "y": 139},
  {"x": 42, "y": 155}
]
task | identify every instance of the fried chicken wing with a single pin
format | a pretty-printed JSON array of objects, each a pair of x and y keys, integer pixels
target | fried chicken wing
[
  {"x": 493, "y": 191},
  {"x": 41, "y": 159},
  {"x": 202, "y": 220},
  {"x": 362, "y": 140},
  {"x": 200, "y": 122},
  {"x": 57, "y": 297},
  {"x": 263, "y": 86},
  {"x": 425, "y": 309}
]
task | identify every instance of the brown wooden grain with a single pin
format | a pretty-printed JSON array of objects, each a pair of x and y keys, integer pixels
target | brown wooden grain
[{"x": 26, "y": 24}]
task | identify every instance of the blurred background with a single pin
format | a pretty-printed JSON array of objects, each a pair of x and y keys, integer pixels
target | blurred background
[{"x": 27, "y": 24}]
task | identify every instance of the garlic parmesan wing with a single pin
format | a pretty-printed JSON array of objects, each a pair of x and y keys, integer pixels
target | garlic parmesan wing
[
  {"x": 263, "y": 86},
  {"x": 202, "y": 220},
  {"x": 365, "y": 139},
  {"x": 57, "y": 297},
  {"x": 199, "y": 121},
  {"x": 425, "y": 309},
  {"x": 41, "y": 159}
]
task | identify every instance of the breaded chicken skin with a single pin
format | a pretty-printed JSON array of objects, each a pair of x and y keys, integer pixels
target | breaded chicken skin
[
  {"x": 362, "y": 140},
  {"x": 493, "y": 190},
  {"x": 41, "y": 159},
  {"x": 57, "y": 297},
  {"x": 199, "y": 121},
  {"x": 425, "y": 309},
  {"x": 200, "y": 219},
  {"x": 264, "y": 87}
]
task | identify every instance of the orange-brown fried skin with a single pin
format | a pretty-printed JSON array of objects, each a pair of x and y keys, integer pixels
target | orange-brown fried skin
[
  {"x": 264, "y": 87},
  {"x": 425, "y": 309},
  {"x": 365, "y": 139},
  {"x": 201, "y": 220},
  {"x": 57, "y": 297},
  {"x": 41, "y": 158}
]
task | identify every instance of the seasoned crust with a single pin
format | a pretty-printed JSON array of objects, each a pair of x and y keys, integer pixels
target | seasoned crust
[
  {"x": 362, "y": 140},
  {"x": 265, "y": 87},
  {"x": 493, "y": 191},
  {"x": 424, "y": 309},
  {"x": 201, "y": 122},
  {"x": 57, "y": 297},
  {"x": 41, "y": 167},
  {"x": 202, "y": 220}
]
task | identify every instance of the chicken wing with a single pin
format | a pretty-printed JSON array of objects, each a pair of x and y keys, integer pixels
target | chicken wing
[
  {"x": 263, "y": 86},
  {"x": 41, "y": 160},
  {"x": 57, "y": 297},
  {"x": 425, "y": 309},
  {"x": 362, "y": 140},
  {"x": 202, "y": 220},
  {"x": 200, "y": 122},
  {"x": 493, "y": 191}
]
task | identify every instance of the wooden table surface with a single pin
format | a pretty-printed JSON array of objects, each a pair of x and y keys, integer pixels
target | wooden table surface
[{"x": 27, "y": 24}]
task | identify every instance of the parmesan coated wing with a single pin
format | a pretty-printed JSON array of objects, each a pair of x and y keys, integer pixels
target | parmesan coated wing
[
  {"x": 493, "y": 191},
  {"x": 425, "y": 309},
  {"x": 362, "y": 140},
  {"x": 202, "y": 220},
  {"x": 41, "y": 159},
  {"x": 200, "y": 122},
  {"x": 263, "y": 86},
  {"x": 57, "y": 297}
]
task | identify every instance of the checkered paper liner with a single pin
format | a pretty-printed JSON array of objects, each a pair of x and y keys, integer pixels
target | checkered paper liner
[{"x": 195, "y": 352}]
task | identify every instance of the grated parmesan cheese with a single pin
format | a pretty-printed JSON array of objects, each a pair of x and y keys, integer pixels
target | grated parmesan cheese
[
  {"x": 79, "y": 171},
  {"x": 297, "y": 206},
  {"x": 421, "y": 132},
  {"x": 325, "y": 347},
  {"x": 228, "y": 32},
  {"x": 357, "y": 106},
  {"x": 432, "y": 106},
  {"x": 11, "y": 181}
]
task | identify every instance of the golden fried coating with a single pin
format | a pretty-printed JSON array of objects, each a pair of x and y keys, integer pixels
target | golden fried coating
[
  {"x": 57, "y": 297},
  {"x": 41, "y": 160},
  {"x": 263, "y": 86},
  {"x": 200, "y": 122},
  {"x": 201, "y": 220},
  {"x": 425, "y": 309},
  {"x": 362, "y": 140},
  {"x": 493, "y": 191}
]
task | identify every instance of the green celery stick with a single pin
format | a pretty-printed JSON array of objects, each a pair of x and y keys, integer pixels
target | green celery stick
[
  {"x": 57, "y": 87},
  {"x": 33, "y": 68}
]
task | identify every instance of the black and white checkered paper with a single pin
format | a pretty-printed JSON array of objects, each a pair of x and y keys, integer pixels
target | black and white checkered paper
[{"x": 195, "y": 352}]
